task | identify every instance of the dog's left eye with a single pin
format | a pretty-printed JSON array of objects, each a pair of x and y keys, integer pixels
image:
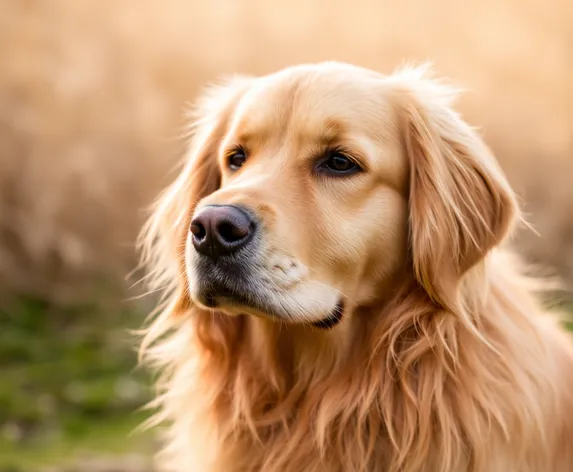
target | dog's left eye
[
  {"x": 236, "y": 158},
  {"x": 337, "y": 163}
]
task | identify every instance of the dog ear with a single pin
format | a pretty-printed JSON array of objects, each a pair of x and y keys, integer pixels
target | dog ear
[
  {"x": 163, "y": 237},
  {"x": 460, "y": 203}
]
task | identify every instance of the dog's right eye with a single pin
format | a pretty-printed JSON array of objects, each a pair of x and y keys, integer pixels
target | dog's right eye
[{"x": 236, "y": 158}]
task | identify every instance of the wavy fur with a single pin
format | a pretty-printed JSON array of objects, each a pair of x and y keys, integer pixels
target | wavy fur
[{"x": 459, "y": 369}]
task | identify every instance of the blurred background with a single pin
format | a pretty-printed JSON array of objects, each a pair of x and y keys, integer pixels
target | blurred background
[{"x": 92, "y": 95}]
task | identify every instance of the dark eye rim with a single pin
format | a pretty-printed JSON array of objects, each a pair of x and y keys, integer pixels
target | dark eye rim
[
  {"x": 322, "y": 167},
  {"x": 235, "y": 152}
]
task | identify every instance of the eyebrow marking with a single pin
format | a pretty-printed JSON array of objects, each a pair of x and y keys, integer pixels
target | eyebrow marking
[{"x": 331, "y": 133}]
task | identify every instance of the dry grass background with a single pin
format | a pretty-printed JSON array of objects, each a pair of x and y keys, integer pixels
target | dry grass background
[{"x": 92, "y": 95}]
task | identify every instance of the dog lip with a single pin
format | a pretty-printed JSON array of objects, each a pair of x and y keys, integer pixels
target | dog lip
[
  {"x": 213, "y": 296},
  {"x": 210, "y": 301},
  {"x": 333, "y": 319}
]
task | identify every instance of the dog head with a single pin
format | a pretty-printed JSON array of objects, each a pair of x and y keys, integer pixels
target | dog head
[{"x": 320, "y": 188}]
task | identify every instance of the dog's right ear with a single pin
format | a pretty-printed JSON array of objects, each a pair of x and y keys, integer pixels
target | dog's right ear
[{"x": 163, "y": 236}]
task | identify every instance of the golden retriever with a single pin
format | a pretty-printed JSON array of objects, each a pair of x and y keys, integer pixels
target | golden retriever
[{"x": 336, "y": 298}]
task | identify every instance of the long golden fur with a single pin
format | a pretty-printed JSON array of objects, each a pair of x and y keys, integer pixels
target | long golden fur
[{"x": 443, "y": 360}]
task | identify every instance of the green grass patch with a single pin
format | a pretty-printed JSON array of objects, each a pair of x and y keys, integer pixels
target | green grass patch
[
  {"x": 69, "y": 383},
  {"x": 106, "y": 436}
]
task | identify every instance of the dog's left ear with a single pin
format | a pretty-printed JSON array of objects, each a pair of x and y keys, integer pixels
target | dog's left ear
[{"x": 460, "y": 203}]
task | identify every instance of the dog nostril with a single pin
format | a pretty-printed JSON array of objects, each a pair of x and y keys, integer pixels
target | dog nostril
[
  {"x": 230, "y": 232},
  {"x": 198, "y": 230},
  {"x": 219, "y": 230}
]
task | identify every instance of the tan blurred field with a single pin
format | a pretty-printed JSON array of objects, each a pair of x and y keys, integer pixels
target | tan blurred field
[{"x": 92, "y": 95}]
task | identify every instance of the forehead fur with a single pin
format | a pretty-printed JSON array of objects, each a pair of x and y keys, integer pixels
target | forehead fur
[{"x": 312, "y": 100}]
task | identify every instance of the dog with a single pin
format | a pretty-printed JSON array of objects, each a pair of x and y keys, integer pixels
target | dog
[{"x": 338, "y": 294}]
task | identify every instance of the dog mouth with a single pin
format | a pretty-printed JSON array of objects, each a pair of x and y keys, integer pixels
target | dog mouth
[
  {"x": 220, "y": 296},
  {"x": 214, "y": 295},
  {"x": 333, "y": 319}
]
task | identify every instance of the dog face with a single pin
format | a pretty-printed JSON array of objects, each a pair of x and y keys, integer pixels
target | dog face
[{"x": 318, "y": 189}]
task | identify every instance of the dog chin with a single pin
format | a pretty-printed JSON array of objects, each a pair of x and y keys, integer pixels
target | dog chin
[{"x": 233, "y": 303}]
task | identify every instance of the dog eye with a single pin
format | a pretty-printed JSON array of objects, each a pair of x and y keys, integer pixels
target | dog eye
[
  {"x": 236, "y": 158},
  {"x": 337, "y": 163}
]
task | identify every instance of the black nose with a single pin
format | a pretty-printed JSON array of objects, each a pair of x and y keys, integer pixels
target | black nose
[{"x": 220, "y": 230}]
